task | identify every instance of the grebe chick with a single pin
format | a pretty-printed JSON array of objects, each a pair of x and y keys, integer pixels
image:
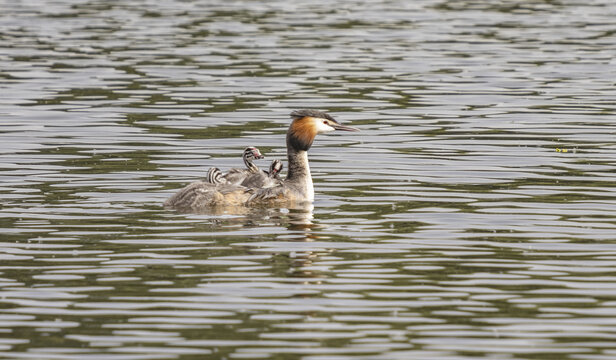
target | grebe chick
[
  {"x": 265, "y": 179},
  {"x": 296, "y": 188},
  {"x": 235, "y": 176},
  {"x": 274, "y": 169}
]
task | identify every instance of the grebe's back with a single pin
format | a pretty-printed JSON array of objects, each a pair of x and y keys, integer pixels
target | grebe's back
[{"x": 201, "y": 194}]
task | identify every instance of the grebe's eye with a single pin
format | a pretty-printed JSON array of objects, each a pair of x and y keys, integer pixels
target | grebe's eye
[{"x": 325, "y": 122}]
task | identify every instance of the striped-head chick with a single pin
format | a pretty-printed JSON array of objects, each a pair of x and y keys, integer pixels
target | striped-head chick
[
  {"x": 214, "y": 176},
  {"x": 307, "y": 124},
  {"x": 275, "y": 168},
  {"x": 251, "y": 153}
]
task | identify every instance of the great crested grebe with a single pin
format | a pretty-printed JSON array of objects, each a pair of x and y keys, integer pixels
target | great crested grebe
[
  {"x": 296, "y": 188},
  {"x": 235, "y": 175}
]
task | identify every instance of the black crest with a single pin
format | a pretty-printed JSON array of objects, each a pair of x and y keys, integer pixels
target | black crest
[{"x": 298, "y": 114}]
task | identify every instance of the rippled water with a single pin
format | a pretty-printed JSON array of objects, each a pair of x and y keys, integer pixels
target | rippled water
[{"x": 473, "y": 216}]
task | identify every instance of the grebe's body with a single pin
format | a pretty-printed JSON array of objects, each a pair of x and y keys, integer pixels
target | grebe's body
[{"x": 296, "y": 188}]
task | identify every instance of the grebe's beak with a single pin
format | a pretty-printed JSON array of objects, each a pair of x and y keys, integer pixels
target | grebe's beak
[{"x": 337, "y": 126}]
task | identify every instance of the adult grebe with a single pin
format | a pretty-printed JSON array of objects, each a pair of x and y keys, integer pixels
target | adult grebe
[
  {"x": 296, "y": 188},
  {"x": 235, "y": 176}
]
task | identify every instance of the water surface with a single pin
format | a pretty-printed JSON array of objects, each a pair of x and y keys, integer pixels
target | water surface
[{"x": 473, "y": 216}]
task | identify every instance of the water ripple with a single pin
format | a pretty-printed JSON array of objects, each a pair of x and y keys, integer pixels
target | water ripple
[{"x": 471, "y": 218}]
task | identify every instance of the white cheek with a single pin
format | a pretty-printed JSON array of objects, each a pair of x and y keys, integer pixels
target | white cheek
[{"x": 323, "y": 128}]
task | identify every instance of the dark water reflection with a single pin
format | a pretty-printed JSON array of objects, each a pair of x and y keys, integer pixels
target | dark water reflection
[{"x": 473, "y": 216}]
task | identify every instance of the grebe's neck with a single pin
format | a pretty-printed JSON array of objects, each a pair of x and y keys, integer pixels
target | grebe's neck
[
  {"x": 298, "y": 174},
  {"x": 250, "y": 165}
]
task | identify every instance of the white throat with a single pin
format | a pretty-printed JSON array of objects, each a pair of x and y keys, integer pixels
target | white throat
[{"x": 308, "y": 179}]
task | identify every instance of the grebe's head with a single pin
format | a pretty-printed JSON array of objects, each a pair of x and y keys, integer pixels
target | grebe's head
[
  {"x": 275, "y": 168},
  {"x": 214, "y": 176},
  {"x": 251, "y": 153},
  {"x": 308, "y": 123}
]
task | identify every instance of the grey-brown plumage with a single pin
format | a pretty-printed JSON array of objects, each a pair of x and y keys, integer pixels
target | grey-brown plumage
[
  {"x": 200, "y": 195},
  {"x": 296, "y": 188}
]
